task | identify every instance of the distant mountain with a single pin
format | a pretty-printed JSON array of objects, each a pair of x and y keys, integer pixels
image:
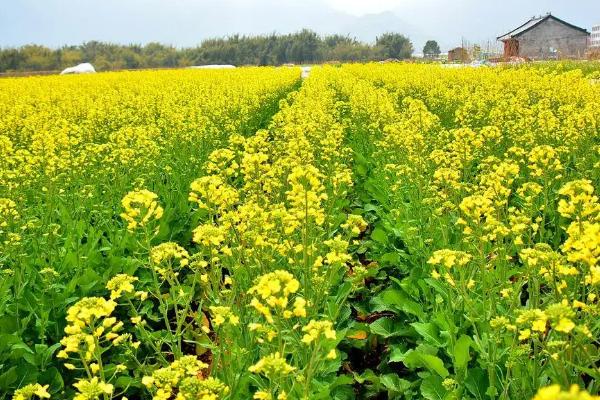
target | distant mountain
[
  {"x": 284, "y": 18},
  {"x": 186, "y": 22},
  {"x": 368, "y": 27}
]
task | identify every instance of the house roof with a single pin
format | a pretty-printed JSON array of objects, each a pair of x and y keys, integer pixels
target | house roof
[{"x": 533, "y": 22}]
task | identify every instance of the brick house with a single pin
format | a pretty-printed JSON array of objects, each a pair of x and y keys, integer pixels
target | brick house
[{"x": 546, "y": 37}]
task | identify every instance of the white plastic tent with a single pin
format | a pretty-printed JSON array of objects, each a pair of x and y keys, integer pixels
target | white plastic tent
[
  {"x": 305, "y": 72},
  {"x": 85, "y": 68}
]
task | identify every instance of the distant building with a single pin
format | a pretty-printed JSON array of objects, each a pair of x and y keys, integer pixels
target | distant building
[
  {"x": 595, "y": 39},
  {"x": 459, "y": 54},
  {"x": 546, "y": 37}
]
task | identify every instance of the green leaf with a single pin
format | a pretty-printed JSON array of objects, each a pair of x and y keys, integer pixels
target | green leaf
[
  {"x": 379, "y": 235},
  {"x": 367, "y": 376},
  {"x": 391, "y": 258},
  {"x": 393, "y": 383},
  {"x": 53, "y": 378},
  {"x": 477, "y": 383},
  {"x": 429, "y": 332},
  {"x": 8, "y": 325},
  {"x": 50, "y": 351},
  {"x": 387, "y": 327},
  {"x": 437, "y": 285},
  {"x": 396, "y": 300},
  {"x": 461, "y": 352},
  {"x": 88, "y": 280},
  {"x": 22, "y": 346},
  {"x": 415, "y": 359},
  {"x": 397, "y": 353},
  {"x": 360, "y": 170},
  {"x": 8, "y": 378},
  {"x": 432, "y": 388},
  {"x": 123, "y": 382},
  {"x": 339, "y": 389},
  {"x": 343, "y": 393},
  {"x": 435, "y": 363},
  {"x": 371, "y": 207}
]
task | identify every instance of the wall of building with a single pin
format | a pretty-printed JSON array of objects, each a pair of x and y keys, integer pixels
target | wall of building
[
  {"x": 595, "y": 39},
  {"x": 538, "y": 42}
]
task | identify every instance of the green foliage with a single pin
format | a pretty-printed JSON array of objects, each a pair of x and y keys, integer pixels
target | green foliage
[
  {"x": 394, "y": 45},
  {"x": 431, "y": 49},
  {"x": 301, "y": 47}
]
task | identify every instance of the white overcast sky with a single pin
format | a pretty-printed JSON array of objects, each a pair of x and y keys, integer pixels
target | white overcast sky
[{"x": 187, "y": 22}]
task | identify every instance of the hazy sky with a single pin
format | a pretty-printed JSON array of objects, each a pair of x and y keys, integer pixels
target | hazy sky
[{"x": 187, "y": 22}]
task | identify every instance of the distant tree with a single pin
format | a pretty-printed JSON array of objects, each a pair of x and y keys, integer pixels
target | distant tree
[
  {"x": 131, "y": 57},
  {"x": 431, "y": 49},
  {"x": 157, "y": 55},
  {"x": 90, "y": 50},
  {"x": 69, "y": 56},
  {"x": 337, "y": 40},
  {"x": 101, "y": 63},
  {"x": 394, "y": 45},
  {"x": 349, "y": 53},
  {"x": 304, "y": 46},
  {"x": 11, "y": 60},
  {"x": 38, "y": 58}
]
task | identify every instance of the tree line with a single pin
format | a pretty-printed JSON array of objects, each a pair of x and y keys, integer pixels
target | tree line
[{"x": 275, "y": 49}]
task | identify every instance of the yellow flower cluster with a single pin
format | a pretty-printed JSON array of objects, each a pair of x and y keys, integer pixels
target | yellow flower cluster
[
  {"x": 338, "y": 251},
  {"x": 315, "y": 329},
  {"x": 140, "y": 208},
  {"x": 209, "y": 235},
  {"x": 121, "y": 283},
  {"x": 92, "y": 389},
  {"x": 272, "y": 292},
  {"x": 545, "y": 162},
  {"x": 182, "y": 380},
  {"x": 555, "y": 392},
  {"x": 355, "y": 224},
  {"x": 28, "y": 392},
  {"x": 222, "y": 162},
  {"x": 8, "y": 213},
  {"x": 264, "y": 395},
  {"x": 88, "y": 310},
  {"x": 449, "y": 258},
  {"x": 272, "y": 366},
  {"x": 222, "y": 314},
  {"x": 305, "y": 196},
  {"x": 212, "y": 193},
  {"x": 582, "y": 245},
  {"x": 477, "y": 209},
  {"x": 581, "y": 202},
  {"x": 8, "y": 219},
  {"x": 167, "y": 258},
  {"x": 89, "y": 322}
]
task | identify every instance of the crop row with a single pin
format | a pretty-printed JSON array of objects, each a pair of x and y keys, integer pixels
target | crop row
[
  {"x": 386, "y": 231},
  {"x": 70, "y": 149},
  {"x": 479, "y": 186}
]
